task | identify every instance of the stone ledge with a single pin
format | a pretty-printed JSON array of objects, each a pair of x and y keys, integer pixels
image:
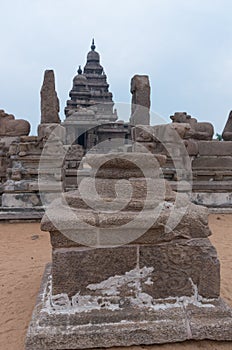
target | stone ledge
[
  {"x": 61, "y": 331},
  {"x": 213, "y": 199},
  {"x": 7, "y": 214}
]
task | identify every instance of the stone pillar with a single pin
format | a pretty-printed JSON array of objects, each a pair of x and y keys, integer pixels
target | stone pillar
[
  {"x": 49, "y": 108},
  {"x": 140, "y": 104},
  {"x": 49, "y": 101}
]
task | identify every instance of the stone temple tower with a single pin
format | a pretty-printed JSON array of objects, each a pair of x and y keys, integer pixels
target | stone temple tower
[{"x": 91, "y": 90}]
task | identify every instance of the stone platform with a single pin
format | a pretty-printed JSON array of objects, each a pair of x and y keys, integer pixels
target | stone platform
[{"x": 106, "y": 321}]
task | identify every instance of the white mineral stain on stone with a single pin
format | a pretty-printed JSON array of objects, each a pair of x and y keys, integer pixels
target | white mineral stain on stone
[
  {"x": 60, "y": 301},
  {"x": 132, "y": 279},
  {"x": 149, "y": 282},
  {"x": 109, "y": 298},
  {"x": 84, "y": 303},
  {"x": 167, "y": 205},
  {"x": 195, "y": 299}
]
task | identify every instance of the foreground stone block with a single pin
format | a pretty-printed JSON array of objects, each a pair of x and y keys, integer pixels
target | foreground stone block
[
  {"x": 131, "y": 263},
  {"x": 67, "y": 324}
]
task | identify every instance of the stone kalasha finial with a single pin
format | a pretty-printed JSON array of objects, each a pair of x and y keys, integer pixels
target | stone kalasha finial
[
  {"x": 79, "y": 70},
  {"x": 93, "y": 47},
  {"x": 49, "y": 100}
]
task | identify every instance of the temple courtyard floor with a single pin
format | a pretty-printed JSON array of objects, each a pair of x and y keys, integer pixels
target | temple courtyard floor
[{"x": 24, "y": 251}]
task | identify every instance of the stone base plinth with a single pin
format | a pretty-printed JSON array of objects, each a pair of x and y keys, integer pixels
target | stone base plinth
[
  {"x": 213, "y": 199},
  {"x": 61, "y": 323}
]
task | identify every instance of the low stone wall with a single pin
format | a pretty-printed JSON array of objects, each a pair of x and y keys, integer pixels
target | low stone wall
[
  {"x": 210, "y": 172},
  {"x": 207, "y": 165}
]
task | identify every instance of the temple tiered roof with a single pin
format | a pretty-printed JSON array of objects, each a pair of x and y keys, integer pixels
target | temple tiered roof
[{"x": 90, "y": 89}]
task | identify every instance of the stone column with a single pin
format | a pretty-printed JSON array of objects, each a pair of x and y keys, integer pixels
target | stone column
[
  {"x": 50, "y": 108},
  {"x": 140, "y": 104}
]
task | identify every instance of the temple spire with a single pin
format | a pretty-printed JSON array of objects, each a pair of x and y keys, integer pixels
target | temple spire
[
  {"x": 93, "y": 47},
  {"x": 90, "y": 88}
]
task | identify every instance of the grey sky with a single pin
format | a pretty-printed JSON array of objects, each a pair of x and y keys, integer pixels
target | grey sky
[{"x": 183, "y": 45}]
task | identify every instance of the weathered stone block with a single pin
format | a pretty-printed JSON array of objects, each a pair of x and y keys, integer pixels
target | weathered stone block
[
  {"x": 215, "y": 148},
  {"x": 199, "y": 130},
  {"x": 206, "y": 162},
  {"x": 213, "y": 200},
  {"x": 217, "y": 315},
  {"x": 46, "y": 129},
  {"x": 74, "y": 269},
  {"x": 60, "y": 240},
  {"x": 21, "y": 200},
  {"x": 142, "y": 133},
  {"x": 9, "y": 126},
  {"x": 192, "y": 147},
  {"x": 8, "y": 140},
  {"x": 214, "y": 186},
  {"x": 49, "y": 100},
  {"x": 140, "y": 89},
  {"x": 145, "y": 274},
  {"x": 166, "y": 321},
  {"x": 179, "y": 268}
]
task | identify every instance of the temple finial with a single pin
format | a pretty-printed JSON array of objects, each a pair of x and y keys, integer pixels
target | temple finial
[
  {"x": 79, "y": 70},
  {"x": 93, "y": 47}
]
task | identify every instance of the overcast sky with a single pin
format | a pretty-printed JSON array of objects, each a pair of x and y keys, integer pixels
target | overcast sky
[{"x": 185, "y": 46}]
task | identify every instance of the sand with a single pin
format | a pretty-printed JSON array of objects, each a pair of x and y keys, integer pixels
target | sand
[{"x": 24, "y": 251}]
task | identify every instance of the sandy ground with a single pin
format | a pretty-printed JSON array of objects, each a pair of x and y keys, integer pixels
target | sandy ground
[{"x": 24, "y": 251}]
